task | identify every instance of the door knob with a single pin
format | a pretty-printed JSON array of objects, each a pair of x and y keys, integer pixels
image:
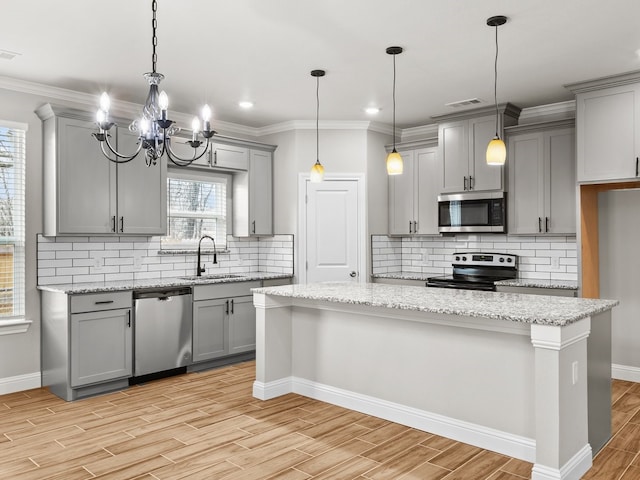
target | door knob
[{"x": 352, "y": 274}]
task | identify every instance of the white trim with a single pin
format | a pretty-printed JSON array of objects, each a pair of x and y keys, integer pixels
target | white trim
[
  {"x": 301, "y": 237},
  {"x": 625, "y": 372},
  {"x": 574, "y": 469},
  {"x": 532, "y": 114},
  {"x": 293, "y": 125},
  {"x": 267, "y": 391},
  {"x": 14, "y": 125},
  {"x": 424, "y": 131},
  {"x": 9, "y": 327},
  {"x": 473, "y": 434},
  {"x": 552, "y": 337},
  {"x": 20, "y": 383}
]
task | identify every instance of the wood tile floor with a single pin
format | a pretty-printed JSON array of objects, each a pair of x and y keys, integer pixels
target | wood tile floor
[{"x": 208, "y": 426}]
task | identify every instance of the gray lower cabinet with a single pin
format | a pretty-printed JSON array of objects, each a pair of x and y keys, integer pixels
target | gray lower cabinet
[
  {"x": 86, "y": 342},
  {"x": 224, "y": 320}
]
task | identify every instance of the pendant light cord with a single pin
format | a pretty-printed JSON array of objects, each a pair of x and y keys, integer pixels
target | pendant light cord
[
  {"x": 394, "y": 102},
  {"x": 495, "y": 81},
  {"x": 317, "y": 119},
  {"x": 154, "y": 39}
]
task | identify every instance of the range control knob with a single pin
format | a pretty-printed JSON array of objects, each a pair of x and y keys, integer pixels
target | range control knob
[
  {"x": 457, "y": 259},
  {"x": 464, "y": 259},
  {"x": 509, "y": 260},
  {"x": 501, "y": 259}
]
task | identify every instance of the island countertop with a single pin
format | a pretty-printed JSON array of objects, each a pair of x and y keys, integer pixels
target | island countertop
[{"x": 538, "y": 309}]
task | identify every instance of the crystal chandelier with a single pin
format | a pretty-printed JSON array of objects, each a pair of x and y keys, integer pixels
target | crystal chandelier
[{"x": 154, "y": 129}]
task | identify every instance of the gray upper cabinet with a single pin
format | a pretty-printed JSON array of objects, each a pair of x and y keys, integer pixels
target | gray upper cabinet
[
  {"x": 253, "y": 197},
  {"x": 413, "y": 196},
  {"x": 84, "y": 193},
  {"x": 608, "y": 130},
  {"x": 542, "y": 179},
  {"x": 219, "y": 156},
  {"x": 462, "y": 146}
]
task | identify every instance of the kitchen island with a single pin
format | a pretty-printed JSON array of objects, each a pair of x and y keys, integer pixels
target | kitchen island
[{"x": 524, "y": 375}]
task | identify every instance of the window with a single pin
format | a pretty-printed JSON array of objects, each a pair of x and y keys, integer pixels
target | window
[
  {"x": 12, "y": 220},
  {"x": 197, "y": 205}
]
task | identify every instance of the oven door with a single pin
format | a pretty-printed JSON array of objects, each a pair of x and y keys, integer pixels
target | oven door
[{"x": 472, "y": 212}]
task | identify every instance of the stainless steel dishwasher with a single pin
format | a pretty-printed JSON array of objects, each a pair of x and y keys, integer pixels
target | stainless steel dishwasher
[{"x": 162, "y": 330}]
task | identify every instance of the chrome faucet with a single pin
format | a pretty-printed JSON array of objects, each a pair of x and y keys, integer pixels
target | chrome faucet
[{"x": 200, "y": 269}]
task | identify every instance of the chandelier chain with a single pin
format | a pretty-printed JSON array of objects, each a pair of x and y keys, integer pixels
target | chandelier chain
[{"x": 154, "y": 41}]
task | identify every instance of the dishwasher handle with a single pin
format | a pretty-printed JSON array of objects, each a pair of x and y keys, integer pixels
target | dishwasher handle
[{"x": 162, "y": 294}]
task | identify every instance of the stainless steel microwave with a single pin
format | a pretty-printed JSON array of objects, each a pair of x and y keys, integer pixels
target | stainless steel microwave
[{"x": 481, "y": 212}]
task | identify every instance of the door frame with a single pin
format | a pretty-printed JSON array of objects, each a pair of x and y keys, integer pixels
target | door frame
[{"x": 360, "y": 179}]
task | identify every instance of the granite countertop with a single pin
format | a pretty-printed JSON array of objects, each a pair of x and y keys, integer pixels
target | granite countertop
[
  {"x": 115, "y": 286},
  {"x": 539, "y": 309},
  {"x": 516, "y": 282},
  {"x": 533, "y": 283}
]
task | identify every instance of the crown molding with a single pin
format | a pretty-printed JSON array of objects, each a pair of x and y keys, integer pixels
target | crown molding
[
  {"x": 424, "y": 132},
  {"x": 604, "y": 82},
  {"x": 119, "y": 107},
  {"x": 324, "y": 125},
  {"x": 558, "y": 110}
]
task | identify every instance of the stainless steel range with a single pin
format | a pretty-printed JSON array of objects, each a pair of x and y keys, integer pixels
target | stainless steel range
[{"x": 477, "y": 271}]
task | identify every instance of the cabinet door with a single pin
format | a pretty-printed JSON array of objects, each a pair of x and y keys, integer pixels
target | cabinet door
[
  {"x": 401, "y": 197},
  {"x": 526, "y": 178},
  {"x": 229, "y": 156},
  {"x": 453, "y": 153},
  {"x": 86, "y": 192},
  {"x": 560, "y": 181},
  {"x": 427, "y": 189},
  {"x": 607, "y": 124},
  {"x": 482, "y": 176},
  {"x": 142, "y": 191},
  {"x": 210, "y": 329},
  {"x": 260, "y": 193},
  {"x": 100, "y": 346},
  {"x": 242, "y": 325}
]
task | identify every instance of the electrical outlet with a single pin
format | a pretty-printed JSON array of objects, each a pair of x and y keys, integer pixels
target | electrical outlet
[
  {"x": 425, "y": 256},
  {"x": 137, "y": 262},
  {"x": 98, "y": 263},
  {"x": 555, "y": 262},
  {"x": 574, "y": 371}
]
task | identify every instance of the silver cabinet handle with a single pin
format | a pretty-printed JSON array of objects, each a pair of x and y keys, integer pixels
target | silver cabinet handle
[
  {"x": 465, "y": 183},
  {"x": 470, "y": 182},
  {"x": 215, "y": 157},
  {"x": 415, "y": 227},
  {"x": 539, "y": 224},
  {"x": 226, "y": 309},
  {"x": 113, "y": 223},
  {"x": 546, "y": 224},
  {"x": 129, "y": 318},
  {"x": 121, "y": 224},
  {"x": 636, "y": 166},
  {"x": 103, "y": 302},
  {"x": 253, "y": 227},
  {"x": 353, "y": 274},
  {"x": 232, "y": 306},
  {"x": 210, "y": 156},
  {"x": 410, "y": 224}
]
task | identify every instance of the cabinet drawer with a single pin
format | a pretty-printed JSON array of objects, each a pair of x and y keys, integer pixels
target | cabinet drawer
[
  {"x": 95, "y": 302},
  {"x": 223, "y": 290}
]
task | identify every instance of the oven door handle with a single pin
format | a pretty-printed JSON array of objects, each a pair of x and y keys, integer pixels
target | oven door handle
[{"x": 486, "y": 287}]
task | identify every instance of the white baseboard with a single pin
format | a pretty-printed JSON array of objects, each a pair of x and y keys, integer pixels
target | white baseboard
[
  {"x": 473, "y": 434},
  {"x": 20, "y": 383},
  {"x": 574, "y": 469},
  {"x": 267, "y": 391},
  {"x": 625, "y": 372}
]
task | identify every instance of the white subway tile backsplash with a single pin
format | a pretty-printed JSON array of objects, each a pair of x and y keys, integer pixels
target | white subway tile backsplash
[
  {"x": 534, "y": 253},
  {"x": 88, "y": 259}
]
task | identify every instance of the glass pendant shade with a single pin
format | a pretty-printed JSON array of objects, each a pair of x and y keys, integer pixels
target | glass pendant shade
[
  {"x": 496, "y": 152},
  {"x": 317, "y": 172},
  {"x": 394, "y": 163}
]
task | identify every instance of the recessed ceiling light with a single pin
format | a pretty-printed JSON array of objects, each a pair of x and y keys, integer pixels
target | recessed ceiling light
[
  {"x": 372, "y": 110},
  {"x": 245, "y": 104}
]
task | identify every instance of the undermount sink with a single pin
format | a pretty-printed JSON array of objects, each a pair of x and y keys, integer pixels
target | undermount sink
[{"x": 212, "y": 276}]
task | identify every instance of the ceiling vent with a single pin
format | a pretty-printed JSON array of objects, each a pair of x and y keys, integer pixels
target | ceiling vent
[
  {"x": 7, "y": 55},
  {"x": 464, "y": 103}
]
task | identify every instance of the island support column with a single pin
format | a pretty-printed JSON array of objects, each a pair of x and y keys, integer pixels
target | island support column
[
  {"x": 562, "y": 446},
  {"x": 273, "y": 347}
]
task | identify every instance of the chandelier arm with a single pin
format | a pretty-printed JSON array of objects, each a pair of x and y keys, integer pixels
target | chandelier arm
[
  {"x": 183, "y": 162},
  {"x": 124, "y": 158}
]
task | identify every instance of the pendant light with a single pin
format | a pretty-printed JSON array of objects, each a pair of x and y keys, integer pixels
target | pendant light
[
  {"x": 394, "y": 159},
  {"x": 497, "y": 150},
  {"x": 317, "y": 171}
]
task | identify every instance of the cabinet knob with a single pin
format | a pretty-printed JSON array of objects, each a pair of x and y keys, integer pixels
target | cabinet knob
[{"x": 353, "y": 274}]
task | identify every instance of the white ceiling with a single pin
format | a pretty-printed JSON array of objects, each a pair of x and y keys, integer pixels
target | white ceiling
[{"x": 221, "y": 52}]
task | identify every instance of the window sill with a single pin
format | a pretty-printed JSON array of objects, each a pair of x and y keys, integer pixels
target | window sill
[{"x": 16, "y": 325}]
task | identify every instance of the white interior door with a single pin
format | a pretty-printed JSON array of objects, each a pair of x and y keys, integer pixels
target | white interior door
[{"x": 332, "y": 231}]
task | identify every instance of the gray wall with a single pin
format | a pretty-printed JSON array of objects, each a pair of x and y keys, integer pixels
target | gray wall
[{"x": 619, "y": 230}]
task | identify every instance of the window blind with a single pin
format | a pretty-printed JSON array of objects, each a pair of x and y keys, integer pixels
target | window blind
[
  {"x": 12, "y": 221},
  {"x": 197, "y": 205}
]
